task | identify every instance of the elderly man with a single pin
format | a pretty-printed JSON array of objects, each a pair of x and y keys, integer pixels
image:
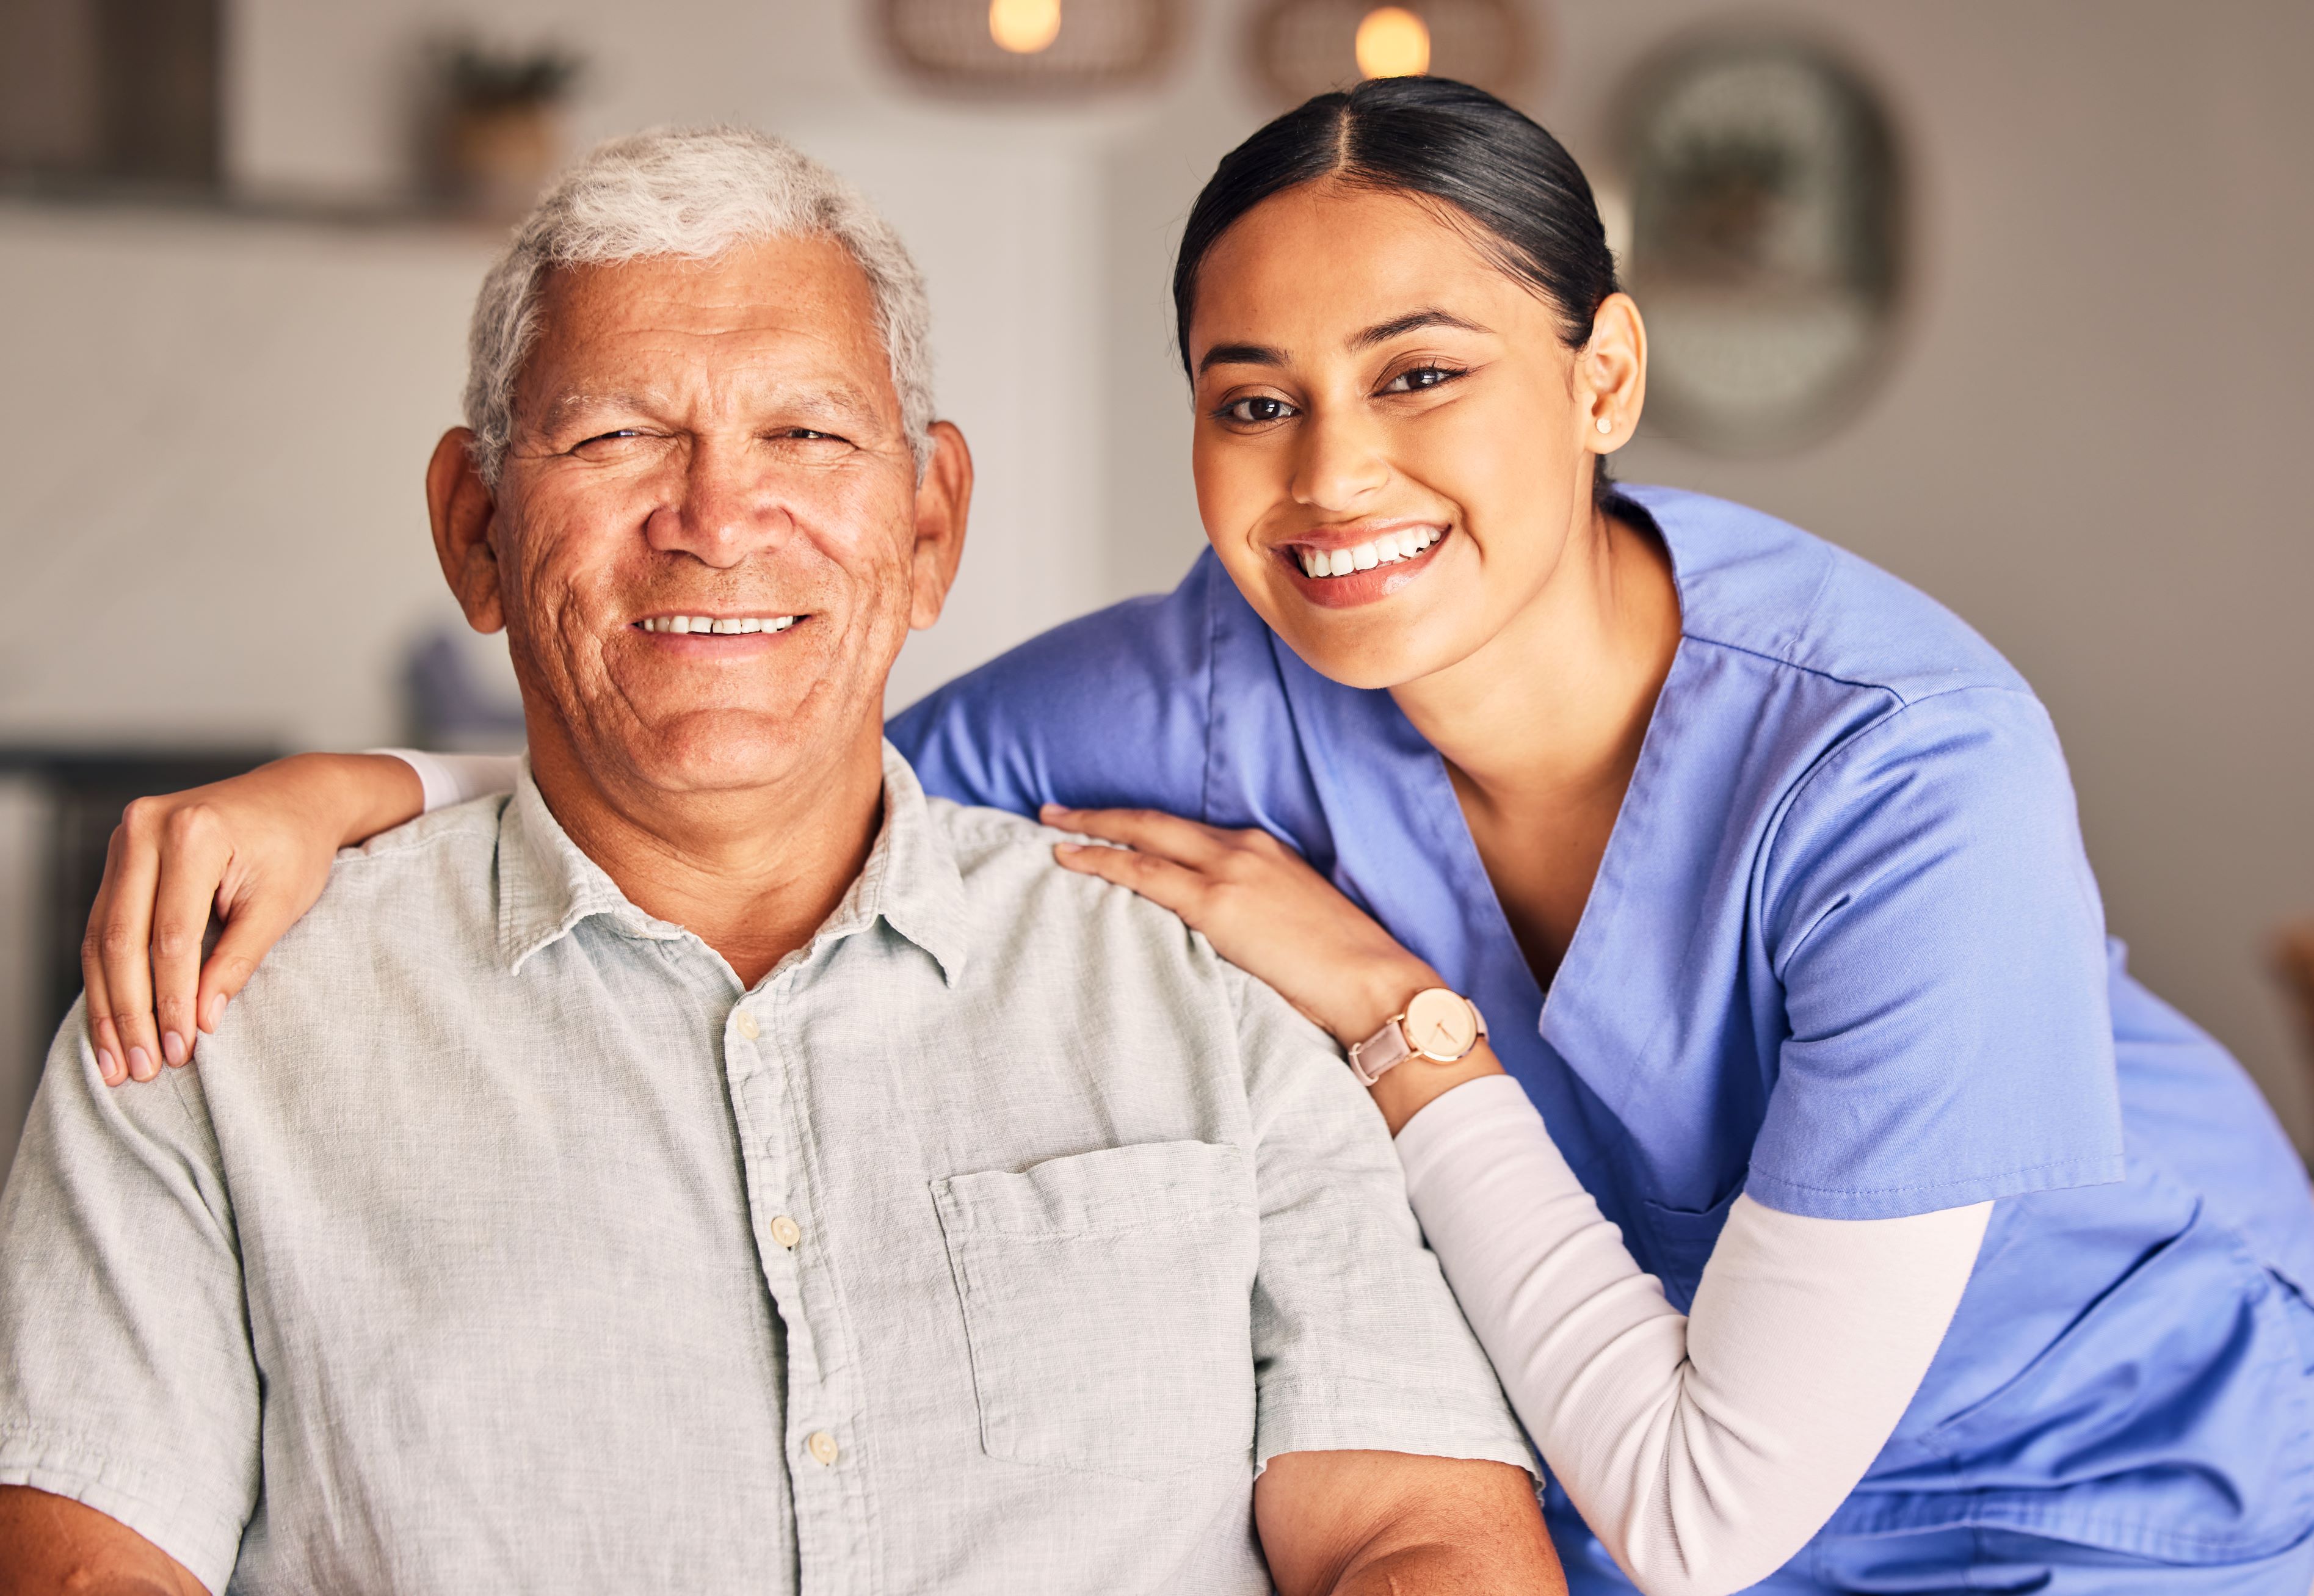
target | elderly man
[{"x": 719, "y": 1166}]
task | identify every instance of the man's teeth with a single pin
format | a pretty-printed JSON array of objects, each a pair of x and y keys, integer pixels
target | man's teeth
[
  {"x": 723, "y": 625},
  {"x": 1388, "y": 549}
]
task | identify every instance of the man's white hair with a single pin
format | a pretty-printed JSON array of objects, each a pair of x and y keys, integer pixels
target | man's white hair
[{"x": 693, "y": 193}]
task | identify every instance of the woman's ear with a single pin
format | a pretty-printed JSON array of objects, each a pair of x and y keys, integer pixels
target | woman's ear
[
  {"x": 462, "y": 509},
  {"x": 943, "y": 502},
  {"x": 1610, "y": 373}
]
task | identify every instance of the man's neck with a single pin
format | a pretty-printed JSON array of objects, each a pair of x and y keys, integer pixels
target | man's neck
[{"x": 753, "y": 872}]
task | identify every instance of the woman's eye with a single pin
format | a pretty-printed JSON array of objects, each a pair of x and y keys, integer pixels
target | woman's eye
[
  {"x": 1419, "y": 378},
  {"x": 1257, "y": 410}
]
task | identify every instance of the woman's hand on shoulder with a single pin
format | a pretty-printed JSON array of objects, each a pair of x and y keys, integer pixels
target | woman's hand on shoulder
[
  {"x": 257, "y": 849},
  {"x": 1262, "y": 907},
  {"x": 1267, "y": 912}
]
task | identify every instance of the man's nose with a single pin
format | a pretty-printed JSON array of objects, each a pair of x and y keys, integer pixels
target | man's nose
[
  {"x": 725, "y": 508},
  {"x": 1341, "y": 463}
]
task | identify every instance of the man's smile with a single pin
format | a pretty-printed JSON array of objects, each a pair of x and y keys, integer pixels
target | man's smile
[{"x": 716, "y": 625}]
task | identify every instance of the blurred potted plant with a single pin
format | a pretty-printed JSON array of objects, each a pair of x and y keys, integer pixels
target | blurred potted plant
[{"x": 497, "y": 133}]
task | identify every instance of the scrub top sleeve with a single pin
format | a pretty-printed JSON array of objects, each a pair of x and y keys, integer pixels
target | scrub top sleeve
[
  {"x": 1929, "y": 913},
  {"x": 1109, "y": 711}
]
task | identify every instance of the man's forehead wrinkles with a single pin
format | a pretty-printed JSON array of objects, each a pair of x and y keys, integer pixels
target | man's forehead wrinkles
[
  {"x": 726, "y": 393},
  {"x": 574, "y": 402}
]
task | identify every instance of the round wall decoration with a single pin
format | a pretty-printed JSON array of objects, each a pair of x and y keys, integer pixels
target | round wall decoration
[
  {"x": 1030, "y": 46},
  {"x": 1768, "y": 238},
  {"x": 1301, "y": 47}
]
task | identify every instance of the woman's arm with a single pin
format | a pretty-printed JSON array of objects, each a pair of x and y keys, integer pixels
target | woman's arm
[
  {"x": 1704, "y": 1450},
  {"x": 256, "y": 849}
]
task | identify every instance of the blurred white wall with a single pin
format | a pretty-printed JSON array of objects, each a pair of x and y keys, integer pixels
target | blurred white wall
[{"x": 214, "y": 427}]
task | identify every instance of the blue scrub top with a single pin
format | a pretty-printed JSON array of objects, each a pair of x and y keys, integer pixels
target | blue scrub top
[{"x": 1845, "y": 953}]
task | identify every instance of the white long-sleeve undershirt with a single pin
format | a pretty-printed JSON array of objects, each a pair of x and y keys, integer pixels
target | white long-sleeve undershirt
[
  {"x": 449, "y": 779},
  {"x": 1704, "y": 1450}
]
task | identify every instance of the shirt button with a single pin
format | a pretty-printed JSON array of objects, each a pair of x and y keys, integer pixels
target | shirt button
[
  {"x": 787, "y": 1233},
  {"x": 747, "y": 1027},
  {"x": 821, "y": 1445}
]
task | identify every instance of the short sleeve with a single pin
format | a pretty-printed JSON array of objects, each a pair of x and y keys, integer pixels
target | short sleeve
[
  {"x": 1110, "y": 710},
  {"x": 127, "y": 1379},
  {"x": 1358, "y": 1343},
  {"x": 1930, "y": 915}
]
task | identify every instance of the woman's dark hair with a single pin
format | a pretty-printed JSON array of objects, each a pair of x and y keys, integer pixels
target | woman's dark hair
[{"x": 1443, "y": 141}]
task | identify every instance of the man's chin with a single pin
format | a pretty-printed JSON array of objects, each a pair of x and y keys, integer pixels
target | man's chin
[{"x": 729, "y": 750}]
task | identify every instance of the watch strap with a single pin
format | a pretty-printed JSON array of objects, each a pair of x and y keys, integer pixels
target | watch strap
[{"x": 1387, "y": 1048}]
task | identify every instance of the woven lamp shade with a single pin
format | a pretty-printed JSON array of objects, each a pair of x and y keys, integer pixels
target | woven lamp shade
[
  {"x": 1303, "y": 48},
  {"x": 1098, "y": 44}
]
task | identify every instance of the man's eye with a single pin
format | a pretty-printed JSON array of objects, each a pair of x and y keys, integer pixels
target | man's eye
[
  {"x": 620, "y": 436},
  {"x": 1419, "y": 378},
  {"x": 1257, "y": 410},
  {"x": 805, "y": 435}
]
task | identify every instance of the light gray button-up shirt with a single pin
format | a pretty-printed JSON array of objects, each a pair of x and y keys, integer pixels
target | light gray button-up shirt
[{"x": 500, "y": 1241}]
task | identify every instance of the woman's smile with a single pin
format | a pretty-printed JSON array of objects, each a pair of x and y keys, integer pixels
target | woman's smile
[{"x": 1344, "y": 567}]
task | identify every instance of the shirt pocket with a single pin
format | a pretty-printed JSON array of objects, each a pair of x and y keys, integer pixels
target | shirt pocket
[
  {"x": 1106, "y": 1302},
  {"x": 1679, "y": 1243}
]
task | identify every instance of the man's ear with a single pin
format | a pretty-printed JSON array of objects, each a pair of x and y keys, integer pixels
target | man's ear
[
  {"x": 943, "y": 501},
  {"x": 462, "y": 509}
]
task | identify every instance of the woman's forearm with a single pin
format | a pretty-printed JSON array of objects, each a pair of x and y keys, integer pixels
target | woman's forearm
[{"x": 1704, "y": 1450}]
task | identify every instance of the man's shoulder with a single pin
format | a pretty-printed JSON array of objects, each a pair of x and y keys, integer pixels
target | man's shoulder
[
  {"x": 999, "y": 854},
  {"x": 1013, "y": 885},
  {"x": 406, "y": 893}
]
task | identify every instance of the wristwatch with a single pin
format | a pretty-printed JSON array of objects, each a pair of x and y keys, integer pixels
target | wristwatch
[{"x": 1438, "y": 1025}]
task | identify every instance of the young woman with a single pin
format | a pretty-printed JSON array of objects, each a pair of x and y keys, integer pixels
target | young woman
[{"x": 1705, "y": 908}]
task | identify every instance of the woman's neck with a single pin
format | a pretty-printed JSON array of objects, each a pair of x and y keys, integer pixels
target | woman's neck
[
  {"x": 1541, "y": 728},
  {"x": 1555, "y": 702}
]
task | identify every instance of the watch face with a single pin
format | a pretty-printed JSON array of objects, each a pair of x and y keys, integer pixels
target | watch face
[{"x": 1441, "y": 1026}]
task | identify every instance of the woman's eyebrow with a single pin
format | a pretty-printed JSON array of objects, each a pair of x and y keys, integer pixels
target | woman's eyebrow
[
  {"x": 1240, "y": 355},
  {"x": 1382, "y": 332}
]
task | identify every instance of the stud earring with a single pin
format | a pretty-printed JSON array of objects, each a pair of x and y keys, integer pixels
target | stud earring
[{"x": 1606, "y": 425}]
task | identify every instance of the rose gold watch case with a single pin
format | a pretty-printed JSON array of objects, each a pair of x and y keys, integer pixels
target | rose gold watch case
[
  {"x": 1441, "y": 1026},
  {"x": 1438, "y": 1025}
]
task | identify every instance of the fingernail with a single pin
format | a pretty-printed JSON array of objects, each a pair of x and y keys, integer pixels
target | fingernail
[
  {"x": 140, "y": 1064},
  {"x": 1051, "y": 809},
  {"x": 173, "y": 1047},
  {"x": 216, "y": 1013},
  {"x": 108, "y": 1066}
]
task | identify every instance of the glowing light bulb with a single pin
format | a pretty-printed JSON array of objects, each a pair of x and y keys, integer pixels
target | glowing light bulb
[
  {"x": 1024, "y": 27},
  {"x": 1394, "y": 43}
]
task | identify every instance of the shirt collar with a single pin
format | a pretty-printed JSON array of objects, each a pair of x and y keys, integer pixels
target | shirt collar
[{"x": 547, "y": 886}]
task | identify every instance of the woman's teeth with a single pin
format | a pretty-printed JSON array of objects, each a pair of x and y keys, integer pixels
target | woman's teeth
[
  {"x": 1388, "y": 549},
  {"x": 725, "y": 626}
]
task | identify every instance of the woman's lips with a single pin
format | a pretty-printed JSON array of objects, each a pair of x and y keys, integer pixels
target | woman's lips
[{"x": 1392, "y": 568}]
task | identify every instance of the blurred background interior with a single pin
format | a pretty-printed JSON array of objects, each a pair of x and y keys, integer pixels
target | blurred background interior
[{"x": 2011, "y": 299}]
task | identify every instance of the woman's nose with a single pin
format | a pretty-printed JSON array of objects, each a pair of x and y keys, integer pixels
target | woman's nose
[{"x": 1341, "y": 465}]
